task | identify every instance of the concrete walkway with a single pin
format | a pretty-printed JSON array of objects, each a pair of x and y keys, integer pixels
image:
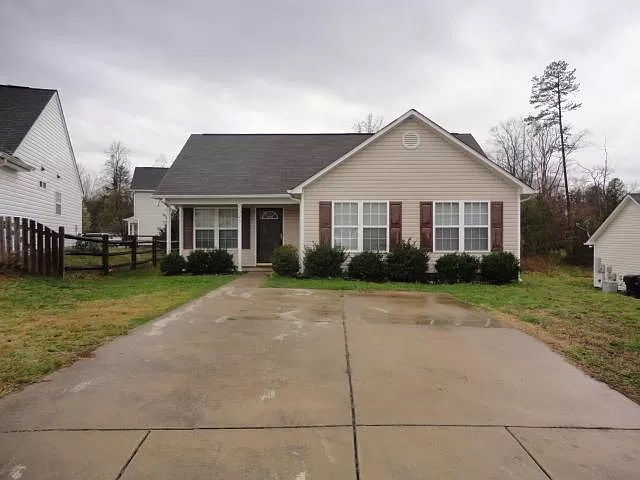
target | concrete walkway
[{"x": 251, "y": 383}]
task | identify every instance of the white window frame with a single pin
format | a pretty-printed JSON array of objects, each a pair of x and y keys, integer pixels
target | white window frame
[
  {"x": 461, "y": 226},
  {"x": 360, "y": 225},
  {"x": 56, "y": 196},
  {"x": 216, "y": 227}
]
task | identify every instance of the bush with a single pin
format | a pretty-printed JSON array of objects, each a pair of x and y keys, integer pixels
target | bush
[
  {"x": 198, "y": 262},
  {"x": 407, "y": 263},
  {"x": 220, "y": 261},
  {"x": 323, "y": 261},
  {"x": 457, "y": 267},
  {"x": 285, "y": 261},
  {"x": 499, "y": 267},
  {"x": 368, "y": 266},
  {"x": 172, "y": 264}
]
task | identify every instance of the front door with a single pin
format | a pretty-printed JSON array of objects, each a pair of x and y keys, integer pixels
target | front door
[{"x": 269, "y": 232}]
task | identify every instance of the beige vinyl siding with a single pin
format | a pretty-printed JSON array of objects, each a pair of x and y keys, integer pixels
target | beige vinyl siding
[
  {"x": 45, "y": 146},
  {"x": 291, "y": 225},
  {"x": 435, "y": 170},
  {"x": 617, "y": 246}
]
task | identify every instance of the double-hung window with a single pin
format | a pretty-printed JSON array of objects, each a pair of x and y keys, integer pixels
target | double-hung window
[
  {"x": 216, "y": 227},
  {"x": 58, "y": 203},
  {"x": 461, "y": 226},
  {"x": 359, "y": 226}
]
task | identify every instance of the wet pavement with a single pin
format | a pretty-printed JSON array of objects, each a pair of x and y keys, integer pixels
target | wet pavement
[{"x": 257, "y": 383}]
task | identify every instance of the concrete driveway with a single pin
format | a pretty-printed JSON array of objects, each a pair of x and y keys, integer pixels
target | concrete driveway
[{"x": 250, "y": 383}]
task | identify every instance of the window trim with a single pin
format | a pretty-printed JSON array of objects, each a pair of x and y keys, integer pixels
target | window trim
[
  {"x": 360, "y": 225},
  {"x": 216, "y": 227},
  {"x": 461, "y": 226},
  {"x": 57, "y": 195}
]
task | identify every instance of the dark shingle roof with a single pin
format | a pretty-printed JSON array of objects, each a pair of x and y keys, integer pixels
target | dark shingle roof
[
  {"x": 147, "y": 178},
  {"x": 241, "y": 164},
  {"x": 635, "y": 196},
  {"x": 244, "y": 164},
  {"x": 20, "y": 107}
]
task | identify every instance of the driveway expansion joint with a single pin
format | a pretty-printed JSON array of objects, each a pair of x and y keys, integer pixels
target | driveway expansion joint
[
  {"x": 133, "y": 454},
  {"x": 535, "y": 460},
  {"x": 354, "y": 422}
]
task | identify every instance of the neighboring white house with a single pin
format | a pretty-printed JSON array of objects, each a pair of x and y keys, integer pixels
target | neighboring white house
[
  {"x": 616, "y": 243},
  {"x": 39, "y": 177},
  {"x": 249, "y": 193},
  {"x": 149, "y": 214}
]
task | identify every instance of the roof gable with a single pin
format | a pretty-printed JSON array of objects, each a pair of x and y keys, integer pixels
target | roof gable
[
  {"x": 147, "y": 178},
  {"x": 630, "y": 199},
  {"x": 460, "y": 140},
  {"x": 20, "y": 107}
]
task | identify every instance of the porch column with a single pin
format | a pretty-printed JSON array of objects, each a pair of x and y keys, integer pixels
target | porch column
[
  {"x": 180, "y": 230},
  {"x": 239, "y": 249},
  {"x": 301, "y": 231},
  {"x": 168, "y": 229}
]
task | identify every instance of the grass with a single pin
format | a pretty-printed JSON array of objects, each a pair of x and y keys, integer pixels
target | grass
[
  {"x": 598, "y": 332},
  {"x": 48, "y": 323}
]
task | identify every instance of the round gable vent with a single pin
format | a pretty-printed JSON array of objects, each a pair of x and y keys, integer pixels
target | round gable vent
[{"x": 410, "y": 140}]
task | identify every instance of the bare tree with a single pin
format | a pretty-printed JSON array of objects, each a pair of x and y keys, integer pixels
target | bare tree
[
  {"x": 370, "y": 124},
  {"x": 161, "y": 161},
  {"x": 90, "y": 182},
  {"x": 550, "y": 96},
  {"x": 598, "y": 179},
  {"x": 117, "y": 168},
  {"x": 511, "y": 149}
]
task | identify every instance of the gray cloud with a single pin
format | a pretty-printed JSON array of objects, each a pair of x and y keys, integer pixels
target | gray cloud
[{"x": 150, "y": 73}]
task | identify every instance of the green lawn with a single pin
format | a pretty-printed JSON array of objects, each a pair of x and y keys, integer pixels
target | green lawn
[
  {"x": 48, "y": 323},
  {"x": 599, "y": 332}
]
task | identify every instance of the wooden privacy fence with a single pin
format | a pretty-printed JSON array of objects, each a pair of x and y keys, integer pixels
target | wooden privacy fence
[{"x": 30, "y": 247}]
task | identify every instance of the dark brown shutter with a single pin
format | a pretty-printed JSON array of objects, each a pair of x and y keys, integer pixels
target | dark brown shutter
[
  {"x": 187, "y": 228},
  {"x": 496, "y": 226},
  {"x": 324, "y": 237},
  {"x": 395, "y": 223},
  {"x": 426, "y": 226},
  {"x": 246, "y": 228}
]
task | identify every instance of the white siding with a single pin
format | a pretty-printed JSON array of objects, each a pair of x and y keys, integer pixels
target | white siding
[
  {"x": 46, "y": 145},
  {"x": 619, "y": 245},
  {"x": 149, "y": 212},
  {"x": 435, "y": 170}
]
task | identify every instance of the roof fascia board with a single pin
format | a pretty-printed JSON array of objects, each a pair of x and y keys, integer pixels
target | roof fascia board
[{"x": 616, "y": 211}]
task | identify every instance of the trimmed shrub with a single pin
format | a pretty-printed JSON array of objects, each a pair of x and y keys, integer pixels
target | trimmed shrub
[
  {"x": 285, "y": 261},
  {"x": 448, "y": 268},
  {"x": 324, "y": 262},
  {"x": 172, "y": 264},
  {"x": 407, "y": 263},
  {"x": 368, "y": 266},
  {"x": 198, "y": 262},
  {"x": 220, "y": 261},
  {"x": 468, "y": 267},
  {"x": 499, "y": 267}
]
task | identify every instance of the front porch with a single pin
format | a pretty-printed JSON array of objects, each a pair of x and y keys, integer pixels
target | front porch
[{"x": 250, "y": 229}]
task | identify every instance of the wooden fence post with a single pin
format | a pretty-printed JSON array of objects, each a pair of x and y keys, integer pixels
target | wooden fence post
[
  {"x": 134, "y": 251},
  {"x": 105, "y": 254},
  {"x": 154, "y": 250},
  {"x": 61, "y": 252},
  {"x": 40, "y": 250},
  {"x": 8, "y": 232},
  {"x": 33, "y": 260},
  {"x": 16, "y": 241},
  {"x": 47, "y": 251},
  {"x": 25, "y": 245},
  {"x": 54, "y": 253},
  {"x": 2, "y": 237}
]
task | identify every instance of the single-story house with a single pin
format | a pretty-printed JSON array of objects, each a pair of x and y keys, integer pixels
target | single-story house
[
  {"x": 616, "y": 243},
  {"x": 149, "y": 214},
  {"x": 250, "y": 193},
  {"x": 39, "y": 177}
]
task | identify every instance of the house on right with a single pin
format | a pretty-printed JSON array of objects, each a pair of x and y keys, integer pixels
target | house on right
[{"x": 616, "y": 243}]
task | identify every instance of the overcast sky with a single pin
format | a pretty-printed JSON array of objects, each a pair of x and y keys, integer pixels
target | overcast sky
[{"x": 150, "y": 73}]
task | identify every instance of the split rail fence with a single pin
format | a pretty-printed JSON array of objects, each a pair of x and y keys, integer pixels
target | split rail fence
[{"x": 29, "y": 247}]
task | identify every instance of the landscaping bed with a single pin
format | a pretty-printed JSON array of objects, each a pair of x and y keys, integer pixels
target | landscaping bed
[
  {"x": 598, "y": 332},
  {"x": 49, "y": 323}
]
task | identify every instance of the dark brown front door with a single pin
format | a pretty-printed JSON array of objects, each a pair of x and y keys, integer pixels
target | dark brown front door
[{"x": 269, "y": 231}]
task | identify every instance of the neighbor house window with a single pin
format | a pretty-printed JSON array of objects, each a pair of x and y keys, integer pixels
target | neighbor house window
[
  {"x": 461, "y": 226},
  {"x": 58, "y": 203},
  {"x": 359, "y": 226},
  {"x": 216, "y": 227}
]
